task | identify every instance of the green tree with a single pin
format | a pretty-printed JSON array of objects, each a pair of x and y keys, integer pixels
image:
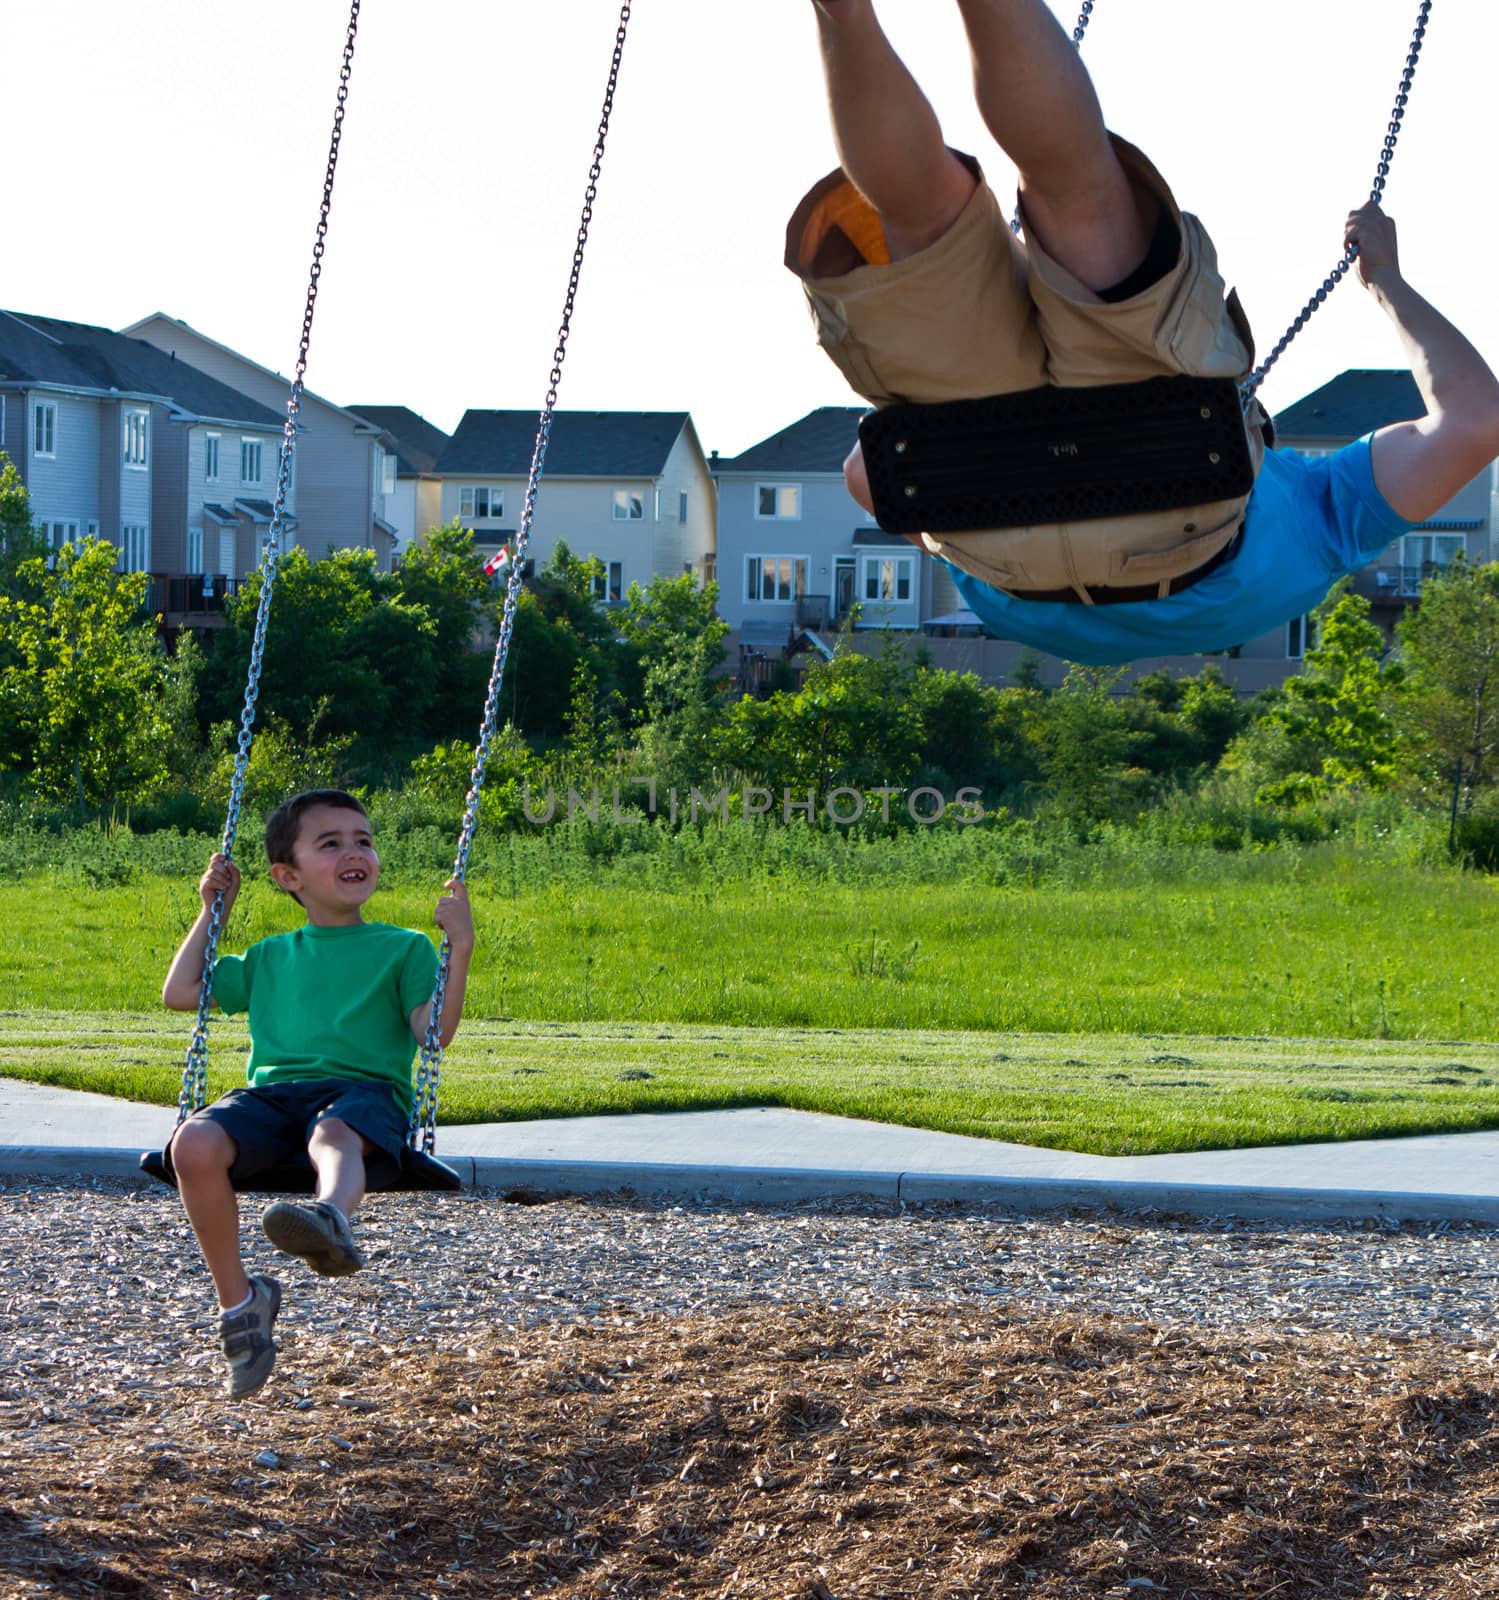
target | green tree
[
  {"x": 1336, "y": 719},
  {"x": 1086, "y": 748},
  {"x": 81, "y": 702},
  {"x": 673, "y": 654},
  {"x": 1450, "y": 648},
  {"x": 852, "y": 724}
]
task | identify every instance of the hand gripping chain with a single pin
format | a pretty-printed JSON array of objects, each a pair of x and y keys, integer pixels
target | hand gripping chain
[
  {"x": 1335, "y": 277},
  {"x": 424, "y": 1109},
  {"x": 195, "y": 1072}
]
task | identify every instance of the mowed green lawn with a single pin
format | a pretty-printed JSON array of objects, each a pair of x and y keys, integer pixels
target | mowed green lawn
[{"x": 1298, "y": 1004}]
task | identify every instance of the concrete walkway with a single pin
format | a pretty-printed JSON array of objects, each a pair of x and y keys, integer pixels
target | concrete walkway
[{"x": 786, "y": 1156}]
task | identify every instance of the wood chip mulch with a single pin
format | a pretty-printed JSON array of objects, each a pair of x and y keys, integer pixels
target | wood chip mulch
[{"x": 897, "y": 1451}]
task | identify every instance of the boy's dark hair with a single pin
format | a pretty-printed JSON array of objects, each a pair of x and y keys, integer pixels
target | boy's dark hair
[{"x": 284, "y": 822}]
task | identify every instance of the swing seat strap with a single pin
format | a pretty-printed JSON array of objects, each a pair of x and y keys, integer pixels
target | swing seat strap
[{"x": 1052, "y": 455}]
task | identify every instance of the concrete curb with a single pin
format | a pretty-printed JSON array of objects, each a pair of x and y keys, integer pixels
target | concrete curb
[{"x": 791, "y": 1185}]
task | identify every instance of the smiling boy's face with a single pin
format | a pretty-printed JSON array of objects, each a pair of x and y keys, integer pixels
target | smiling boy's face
[{"x": 334, "y": 868}]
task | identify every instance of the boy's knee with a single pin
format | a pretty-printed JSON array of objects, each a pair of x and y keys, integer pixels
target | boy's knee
[
  {"x": 200, "y": 1146},
  {"x": 335, "y": 1131}
]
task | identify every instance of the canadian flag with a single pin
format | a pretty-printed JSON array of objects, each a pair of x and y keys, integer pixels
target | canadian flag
[{"x": 496, "y": 561}]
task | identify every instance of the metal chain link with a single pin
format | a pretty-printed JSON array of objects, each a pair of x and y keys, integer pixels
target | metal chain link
[
  {"x": 429, "y": 1075},
  {"x": 195, "y": 1072},
  {"x": 1083, "y": 20},
  {"x": 1392, "y": 134}
]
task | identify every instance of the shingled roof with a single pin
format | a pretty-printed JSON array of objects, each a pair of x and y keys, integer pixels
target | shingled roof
[
  {"x": 817, "y": 443},
  {"x": 1353, "y": 404},
  {"x": 40, "y": 350},
  {"x": 584, "y": 444},
  {"x": 418, "y": 442}
]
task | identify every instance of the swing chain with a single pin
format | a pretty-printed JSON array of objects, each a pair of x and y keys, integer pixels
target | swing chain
[
  {"x": 1248, "y": 388},
  {"x": 429, "y": 1074},
  {"x": 195, "y": 1072}
]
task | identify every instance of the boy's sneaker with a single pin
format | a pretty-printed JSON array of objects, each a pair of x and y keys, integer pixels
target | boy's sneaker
[
  {"x": 246, "y": 1337},
  {"x": 319, "y": 1233}
]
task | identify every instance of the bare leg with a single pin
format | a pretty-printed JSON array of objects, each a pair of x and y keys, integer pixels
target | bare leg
[
  {"x": 888, "y": 137},
  {"x": 202, "y": 1154},
  {"x": 1040, "y": 105},
  {"x": 338, "y": 1153}
]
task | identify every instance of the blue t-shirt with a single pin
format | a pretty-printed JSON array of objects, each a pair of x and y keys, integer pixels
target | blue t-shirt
[{"x": 1310, "y": 520}]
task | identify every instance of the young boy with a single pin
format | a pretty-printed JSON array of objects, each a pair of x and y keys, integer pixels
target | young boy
[{"x": 336, "y": 1012}]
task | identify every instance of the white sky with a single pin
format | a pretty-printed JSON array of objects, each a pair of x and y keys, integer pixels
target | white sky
[{"x": 168, "y": 155}]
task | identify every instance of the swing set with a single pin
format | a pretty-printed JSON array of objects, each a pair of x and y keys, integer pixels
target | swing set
[{"x": 1163, "y": 442}]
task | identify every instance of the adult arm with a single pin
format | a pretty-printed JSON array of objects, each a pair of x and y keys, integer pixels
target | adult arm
[
  {"x": 1419, "y": 466},
  {"x": 184, "y": 981}
]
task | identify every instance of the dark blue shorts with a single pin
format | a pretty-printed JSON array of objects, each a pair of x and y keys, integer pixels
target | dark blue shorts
[{"x": 272, "y": 1123}]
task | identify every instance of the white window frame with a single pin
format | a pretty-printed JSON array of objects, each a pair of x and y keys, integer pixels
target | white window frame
[
  {"x": 91, "y": 529},
  {"x": 195, "y": 552},
  {"x": 135, "y": 437},
  {"x": 629, "y": 505},
  {"x": 1432, "y": 541},
  {"x": 904, "y": 570},
  {"x": 784, "y": 493},
  {"x": 682, "y": 506},
  {"x": 135, "y": 547},
  {"x": 609, "y": 585},
  {"x": 211, "y": 442},
  {"x": 39, "y": 409},
  {"x": 55, "y": 535},
  {"x": 790, "y": 575},
  {"x": 1301, "y": 636},
  {"x": 471, "y": 495},
  {"x": 387, "y": 472},
  {"x": 252, "y": 450}
]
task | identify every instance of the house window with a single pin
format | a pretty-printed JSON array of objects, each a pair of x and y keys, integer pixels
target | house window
[
  {"x": 387, "y": 472},
  {"x": 609, "y": 585},
  {"x": 91, "y": 529},
  {"x": 775, "y": 577},
  {"x": 1423, "y": 555},
  {"x": 195, "y": 551},
  {"x": 629, "y": 505},
  {"x": 136, "y": 424},
  {"x": 778, "y": 502},
  {"x": 44, "y": 428},
  {"x": 55, "y": 535},
  {"x": 135, "y": 547},
  {"x": 681, "y": 508},
  {"x": 211, "y": 458},
  {"x": 1301, "y": 636},
  {"x": 888, "y": 578},
  {"x": 480, "y": 500},
  {"x": 249, "y": 460}
]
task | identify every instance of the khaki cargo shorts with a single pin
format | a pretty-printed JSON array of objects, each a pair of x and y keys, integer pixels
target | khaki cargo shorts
[{"x": 979, "y": 313}]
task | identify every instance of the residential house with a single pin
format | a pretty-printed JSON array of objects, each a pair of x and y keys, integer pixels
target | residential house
[
  {"x": 413, "y": 491},
  {"x": 1352, "y": 405},
  {"x": 340, "y": 472},
  {"x": 799, "y": 557},
  {"x": 116, "y": 438},
  {"x": 629, "y": 487}
]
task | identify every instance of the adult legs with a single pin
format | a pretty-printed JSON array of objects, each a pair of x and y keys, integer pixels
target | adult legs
[
  {"x": 888, "y": 138},
  {"x": 1039, "y": 103}
]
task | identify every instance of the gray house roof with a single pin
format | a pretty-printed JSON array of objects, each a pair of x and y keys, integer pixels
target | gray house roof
[
  {"x": 418, "y": 443},
  {"x": 584, "y": 444},
  {"x": 1353, "y": 404},
  {"x": 74, "y": 355},
  {"x": 818, "y": 443}
]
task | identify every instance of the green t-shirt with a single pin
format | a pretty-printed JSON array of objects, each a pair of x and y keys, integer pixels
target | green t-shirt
[{"x": 331, "y": 1003}]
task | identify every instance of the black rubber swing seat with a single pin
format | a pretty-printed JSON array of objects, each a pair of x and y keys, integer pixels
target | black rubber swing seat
[
  {"x": 420, "y": 1173},
  {"x": 1049, "y": 455}
]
